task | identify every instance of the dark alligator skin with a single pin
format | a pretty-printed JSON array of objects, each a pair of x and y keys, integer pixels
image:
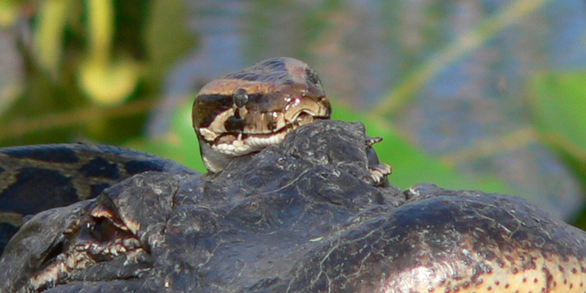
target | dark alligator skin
[{"x": 302, "y": 216}]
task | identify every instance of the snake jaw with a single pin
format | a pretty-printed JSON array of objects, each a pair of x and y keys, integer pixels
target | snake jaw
[{"x": 246, "y": 111}]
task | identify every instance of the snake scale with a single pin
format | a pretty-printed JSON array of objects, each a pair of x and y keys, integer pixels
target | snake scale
[{"x": 37, "y": 178}]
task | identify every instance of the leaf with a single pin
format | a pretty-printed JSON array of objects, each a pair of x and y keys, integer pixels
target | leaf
[
  {"x": 108, "y": 84},
  {"x": 558, "y": 108},
  {"x": 49, "y": 33}
]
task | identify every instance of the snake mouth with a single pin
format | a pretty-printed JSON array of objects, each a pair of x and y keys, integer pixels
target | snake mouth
[
  {"x": 93, "y": 249},
  {"x": 242, "y": 143},
  {"x": 241, "y": 130}
]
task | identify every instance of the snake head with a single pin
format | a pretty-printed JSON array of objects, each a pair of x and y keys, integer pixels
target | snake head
[{"x": 245, "y": 111}]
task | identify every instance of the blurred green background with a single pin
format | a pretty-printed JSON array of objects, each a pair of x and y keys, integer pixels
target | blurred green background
[{"x": 486, "y": 95}]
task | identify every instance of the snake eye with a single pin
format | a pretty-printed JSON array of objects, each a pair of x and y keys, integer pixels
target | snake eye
[
  {"x": 240, "y": 98},
  {"x": 234, "y": 124},
  {"x": 312, "y": 76}
]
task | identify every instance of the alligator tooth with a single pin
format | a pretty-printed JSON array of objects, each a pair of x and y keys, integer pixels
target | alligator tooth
[
  {"x": 94, "y": 249},
  {"x": 79, "y": 257},
  {"x": 119, "y": 225},
  {"x": 82, "y": 263},
  {"x": 120, "y": 248},
  {"x": 128, "y": 243},
  {"x": 82, "y": 247},
  {"x": 71, "y": 262},
  {"x": 131, "y": 243}
]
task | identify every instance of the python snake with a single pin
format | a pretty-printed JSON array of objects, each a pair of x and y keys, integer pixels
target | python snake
[{"x": 248, "y": 110}]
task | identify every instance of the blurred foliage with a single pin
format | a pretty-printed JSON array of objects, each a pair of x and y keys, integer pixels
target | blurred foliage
[
  {"x": 410, "y": 165},
  {"x": 558, "y": 105},
  {"x": 179, "y": 144},
  {"x": 9, "y": 11},
  {"x": 464, "y": 44},
  {"x": 84, "y": 58}
]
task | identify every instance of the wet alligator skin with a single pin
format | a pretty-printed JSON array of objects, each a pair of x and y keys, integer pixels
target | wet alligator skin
[
  {"x": 305, "y": 216},
  {"x": 37, "y": 178}
]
